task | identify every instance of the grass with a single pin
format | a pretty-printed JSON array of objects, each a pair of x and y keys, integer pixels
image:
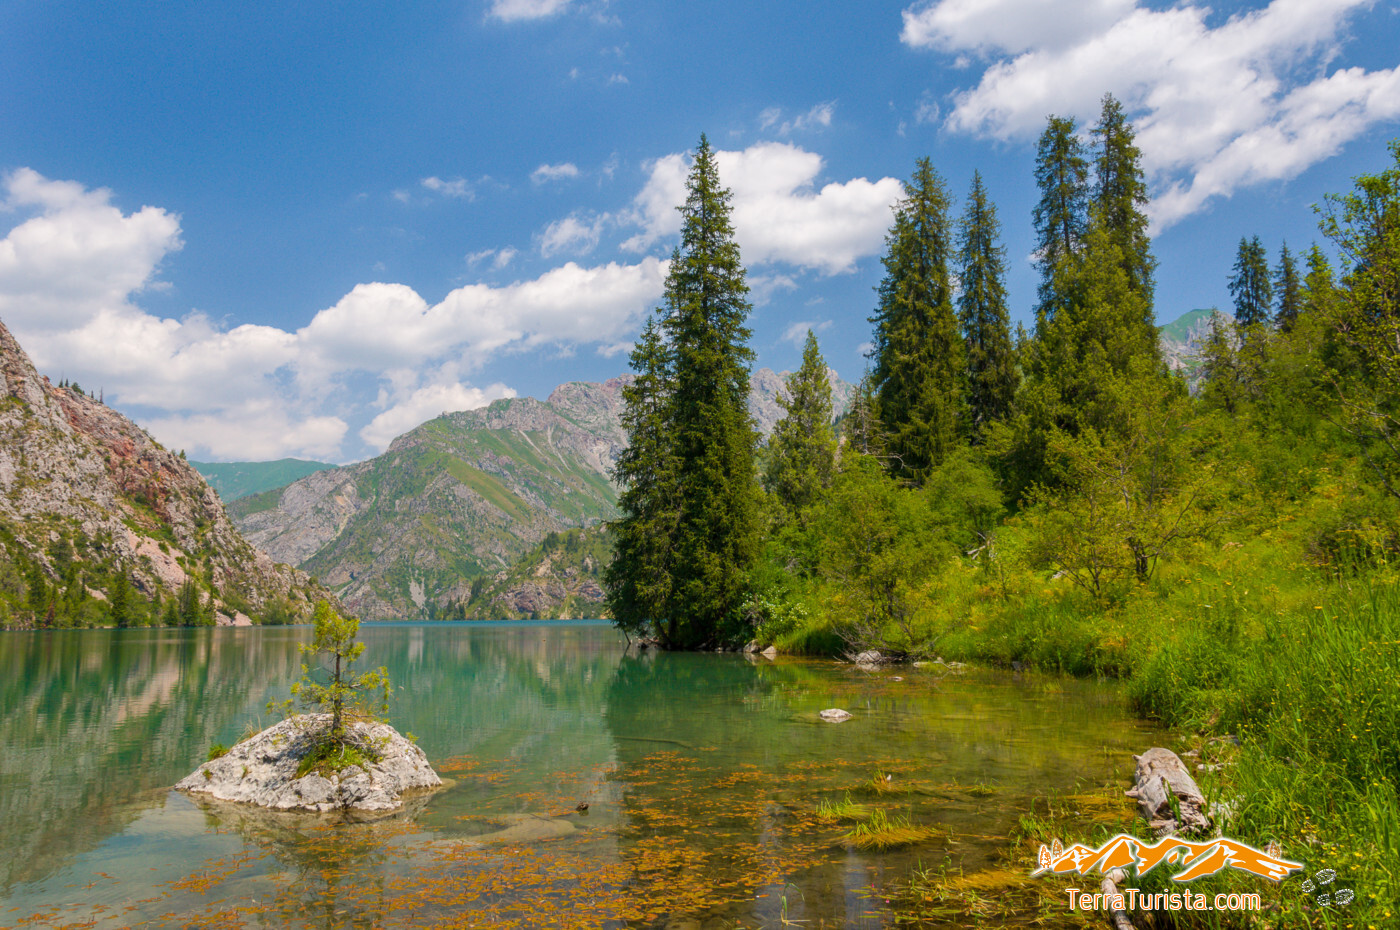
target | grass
[
  {"x": 330, "y": 756},
  {"x": 845, "y": 809},
  {"x": 880, "y": 832},
  {"x": 217, "y": 751}
]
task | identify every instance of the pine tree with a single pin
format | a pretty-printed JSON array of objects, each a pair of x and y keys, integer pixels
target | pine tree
[
  {"x": 1289, "y": 289},
  {"x": 1220, "y": 370},
  {"x": 638, "y": 579},
  {"x": 1061, "y": 215},
  {"x": 708, "y": 501},
  {"x": 918, "y": 354},
  {"x": 860, "y": 427},
  {"x": 1250, "y": 286},
  {"x": 802, "y": 449},
  {"x": 1319, "y": 285},
  {"x": 982, "y": 312},
  {"x": 1120, "y": 197}
]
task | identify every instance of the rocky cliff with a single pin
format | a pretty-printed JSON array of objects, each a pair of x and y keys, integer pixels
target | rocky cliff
[{"x": 98, "y": 522}]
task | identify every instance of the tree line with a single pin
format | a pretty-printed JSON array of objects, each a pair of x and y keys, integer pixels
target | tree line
[{"x": 1071, "y": 452}]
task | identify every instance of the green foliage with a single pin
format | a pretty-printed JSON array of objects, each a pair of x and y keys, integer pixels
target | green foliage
[
  {"x": 802, "y": 449},
  {"x": 344, "y": 690},
  {"x": 217, "y": 751},
  {"x": 1120, "y": 199},
  {"x": 982, "y": 312},
  {"x": 1061, "y": 215},
  {"x": 330, "y": 757},
  {"x": 1289, "y": 288},
  {"x": 1250, "y": 285},
  {"x": 690, "y": 531},
  {"x": 919, "y": 372}
]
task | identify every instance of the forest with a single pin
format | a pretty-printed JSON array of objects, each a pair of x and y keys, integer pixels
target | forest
[{"x": 1220, "y": 538}]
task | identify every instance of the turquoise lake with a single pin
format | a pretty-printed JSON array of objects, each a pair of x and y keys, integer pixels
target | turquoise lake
[{"x": 703, "y": 775}]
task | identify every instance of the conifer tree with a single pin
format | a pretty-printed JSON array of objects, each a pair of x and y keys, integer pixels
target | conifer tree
[
  {"x": 1318, "y": 285},
  {"x": 860, "y": 427},
  {"x": 707, "y": 533},
  {"x": 1220, "y": 370},
  {"x": 982, "y": 312},
  {"x": 1250, "y": 285},
  {"x": 638, "y": 580},
  {"x": 1120, "y": 196},
  {"x": 918, "y": 354},
  {"x": 802, "y": 448},
  {"x": 1061, "y": 215},
  {"x": 1289, "y": 289}
]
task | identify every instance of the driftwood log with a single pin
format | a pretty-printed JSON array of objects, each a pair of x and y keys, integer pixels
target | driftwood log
[{"x": 1168, "y": 797}]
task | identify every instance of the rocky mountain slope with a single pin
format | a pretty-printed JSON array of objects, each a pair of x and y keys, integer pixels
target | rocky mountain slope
[
  {"x": 1182, "y": 340},
  {"x": 459, "y": 497},
  {"x": 462, "y": 497},
  {"x": 98, "y": 521},
  {"x": 561, "y": 578}
]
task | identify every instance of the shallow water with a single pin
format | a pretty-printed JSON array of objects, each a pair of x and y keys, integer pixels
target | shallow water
[{"x": 703, "y": 775}]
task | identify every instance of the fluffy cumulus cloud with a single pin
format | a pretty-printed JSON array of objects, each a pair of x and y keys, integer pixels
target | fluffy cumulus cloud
[
  {"x": 1218, "y": 104},
  {"x": 779, "y": 213},
  {"x": 72, "y": 263},
  {"x": 576, "y": 234}
]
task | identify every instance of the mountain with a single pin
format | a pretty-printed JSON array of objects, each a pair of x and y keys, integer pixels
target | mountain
[
  {"x": 560, "y": 578},
  {"x": 239, "y": 479},
  {"x": 1182, "y": 340},
  {"x": 99, "y": 522},
  {"x": 764, "y": 385},
  {"x": 461, "y": 497}
]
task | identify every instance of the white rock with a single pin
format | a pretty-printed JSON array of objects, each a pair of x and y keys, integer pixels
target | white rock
[
  {"x": 262, "y": 770},
  {"x": 835, "y": 714},
  {"x": 869, "y": 657},
  {"x": 770, "y": 653}
]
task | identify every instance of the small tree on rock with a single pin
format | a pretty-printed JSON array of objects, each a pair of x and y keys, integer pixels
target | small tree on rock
[{"x": 335, "y": 636}]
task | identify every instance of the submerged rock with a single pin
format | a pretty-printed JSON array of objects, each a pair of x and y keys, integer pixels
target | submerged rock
[
  {"x": 869, "y": 657},
  {"x": 262, "y": 770},
  {"x": 835, "y": 714}
]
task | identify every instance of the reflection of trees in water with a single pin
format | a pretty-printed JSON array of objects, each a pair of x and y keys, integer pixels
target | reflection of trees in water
[{"x": 96, "y": 721}]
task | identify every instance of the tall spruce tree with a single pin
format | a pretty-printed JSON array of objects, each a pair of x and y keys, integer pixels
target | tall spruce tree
[
  {"x": 685, "y": 571},
  {"x": 1120, "y": 197},
  {"x": 802, "y": 449},
  {"x": 982, "y": 311},
  {"x": 1250, "y": 285},
  {"x": 1319, "y": 285},
  {"x": 1062, "y": 214},
  {"x": 918, "y": 354},
  {"x": 1289, "y": 288},
  {"x": 638, "y": 580},
  {"x": 860, "y": 426}
]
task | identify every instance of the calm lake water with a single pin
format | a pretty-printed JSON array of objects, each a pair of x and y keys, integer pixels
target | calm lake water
[{"x": 703, "y": 774}]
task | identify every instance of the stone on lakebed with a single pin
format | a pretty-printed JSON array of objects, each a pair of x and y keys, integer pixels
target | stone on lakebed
[{"x": 261, "y": 770}]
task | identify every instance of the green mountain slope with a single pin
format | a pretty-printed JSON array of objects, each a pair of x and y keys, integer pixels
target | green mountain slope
[
  {"x": 459, "y": 497},
  {"x": 239, "y": 479}
]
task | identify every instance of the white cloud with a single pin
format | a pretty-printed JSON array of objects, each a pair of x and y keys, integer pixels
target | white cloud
[
  {"x": 457, "y": 187},
  {"x": 797, "y": 332},
  {"x": 77, "y": 255},
  {"x": 424, "y": 404},
  {"x": 762, "y": 287},
  {"x": 498, "y": 258},
  {"x": 71, "y": 264},
  {"x": 515, "y": 10},
  {"x": 618, "y": 79},
  {"x": 574, "y": 233},
  {"x": 778, "y": 214},
  {"x": 1217, "y": 108},
  {"x": 558, "y": 172},
  {"x": 817, "y": 117}
]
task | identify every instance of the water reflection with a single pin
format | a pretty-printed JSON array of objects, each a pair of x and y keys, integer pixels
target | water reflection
[{"x": 702, "y": 775}]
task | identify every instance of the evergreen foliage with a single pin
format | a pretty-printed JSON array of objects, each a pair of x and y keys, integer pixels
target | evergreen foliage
[
  {"x": 802, "y": 449},
  {"x": 918, "y": 371},
  {"x": 1061, "y": 214},
  {"x": 1289, "y": 288},
  {"x": 1318, "y": 284},
  {"x": 983, "y": 314},
  {"x": 1250, "y": 285},
  {"x": 1120, "y": 198},
  {"x": 690, "y": 531},
  {"x": 335, "y": 636}
]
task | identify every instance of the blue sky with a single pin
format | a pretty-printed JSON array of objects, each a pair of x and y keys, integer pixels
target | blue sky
[{"x": 301, "y": 231}]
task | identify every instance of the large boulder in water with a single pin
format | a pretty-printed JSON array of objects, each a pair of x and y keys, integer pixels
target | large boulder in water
[{"x": 262, "y": 770}]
